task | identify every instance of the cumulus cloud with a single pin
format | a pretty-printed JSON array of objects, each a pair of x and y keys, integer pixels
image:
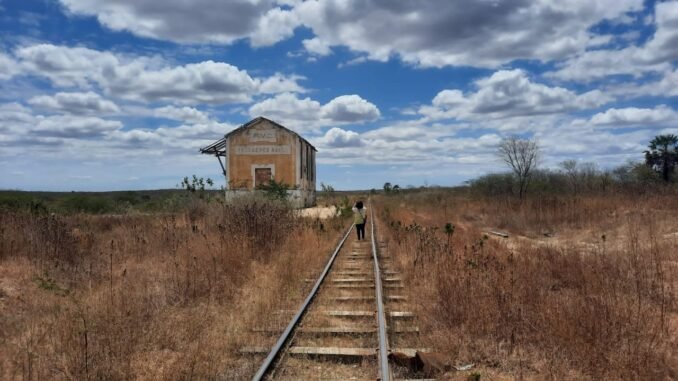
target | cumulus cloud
[
  {"x": 184, "y": 138},
  {"x": 275, "y": 25},
  {"x": 509, "y": 93},
  {"x": 317, "y": 46},
  {"x": 8, "y": 67},
  {"x": 185, "y": 114},
  {"x": 426, "y": 33},
  {"x": 663, "y": 46},
  {"x": 350, "y": 109},
  {"x": 458, "y": 130},
  {"x": 439, "y": 151},
  {"x": 654, "y": 56},
  {"x": 666, "y": 86},
  {"x": 634, "y": 116},
  {"x": 478, "y": 33},
  {"x": 195, "y": 21},
  {"x": 286, "y": 107},
  {"x": 70, "y": 66},
  {"x": 337, "y": 137},
  {"x": 75, "y": 103},
  {"x": 204, "y": 82},
  {"x": 150, "y": 79},
  {"x": 601, "y": 63},
  {"x": 12, "y": 113},
  {"x": 67, "y": 126},
  {"x": 307, "y": 114},
  {"x": 592, "y": 143},
  {"x": 279, "y": 83},
  {"x": 21, "y": 127},
  {"x": 199, "y": 133}
]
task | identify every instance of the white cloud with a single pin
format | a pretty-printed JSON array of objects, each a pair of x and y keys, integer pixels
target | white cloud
[
  {"x": 273, "y": 26},
  {"x": 426, "y": 33},
  {"x": 509, "y": 93},
  {"x": 196, "y": 134},
  {"x": 456, "y": 132},
  {"x": 204, "y": 82},
  {"x": 69, "y": 66},
  {"x": 307, "y": 114},
  {"x": 442, "y": 33},
  {"x": 184, "y": 138},
  {"x": 666, "y": 86},
  {"x": 279, "y": 83},
  {"x": 590, "y": 143},
  {"x": 350, "y": 109},
  {"x": 655, "y": 56},
  {"x": 150, "y": 79},
  {"x": 77, "y": 136},
  {"x": 8, "y": 67},
  {"x": 317, "y": 46},
  {"x": 337, "y": 137},
  {"x": 75, "y": 103},
  {"x": 286, "y": 107},
  {"x": 13, "y": 113},
  {"x": 196, "y": 21},
  {"x": 388, "y": 146},
  {"x": 663, "y": 46},
  {"x": 185, "y": 114},
  {"x": 67, "y": 126},
  {"x": 634, "y": 116}
]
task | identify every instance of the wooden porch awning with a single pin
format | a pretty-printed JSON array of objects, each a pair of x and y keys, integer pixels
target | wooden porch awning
[{"x": 217, "y": 148}]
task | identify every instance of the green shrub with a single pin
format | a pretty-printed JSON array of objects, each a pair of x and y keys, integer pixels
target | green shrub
[{"x": 87, "y": 204}]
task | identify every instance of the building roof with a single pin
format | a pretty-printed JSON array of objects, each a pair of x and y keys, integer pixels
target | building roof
[{"x": 218, "y": 148}]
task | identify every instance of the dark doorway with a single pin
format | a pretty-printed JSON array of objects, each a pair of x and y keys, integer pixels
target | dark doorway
[{"x": 262, "y": 176}]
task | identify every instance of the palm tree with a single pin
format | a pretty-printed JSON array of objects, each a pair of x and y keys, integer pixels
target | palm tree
[{"x": 663, "y": 155}]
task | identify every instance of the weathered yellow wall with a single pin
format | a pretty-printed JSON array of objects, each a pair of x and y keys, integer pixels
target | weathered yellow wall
[
  {"x": 261, "y": 136},
  {"x": 307, "y": 167}
]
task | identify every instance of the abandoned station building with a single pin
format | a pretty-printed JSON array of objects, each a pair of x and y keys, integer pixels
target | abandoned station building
[{"x": 262, "y": 150}]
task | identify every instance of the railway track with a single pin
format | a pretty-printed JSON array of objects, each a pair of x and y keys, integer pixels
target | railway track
[{"x": 345, "y": 327}]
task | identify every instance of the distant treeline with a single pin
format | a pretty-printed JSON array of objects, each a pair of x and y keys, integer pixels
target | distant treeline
[
  {"x": 147, "y": 201},
  {"x": 575, "y": 178}
]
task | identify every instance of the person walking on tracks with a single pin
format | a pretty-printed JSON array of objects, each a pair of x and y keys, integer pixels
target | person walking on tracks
[{"x": 359, "y": 218}]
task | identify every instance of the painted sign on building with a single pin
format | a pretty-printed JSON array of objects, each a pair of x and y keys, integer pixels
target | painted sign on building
[
  {"x": 263, "y": 150},
  {"x": 268, "y": 135}
]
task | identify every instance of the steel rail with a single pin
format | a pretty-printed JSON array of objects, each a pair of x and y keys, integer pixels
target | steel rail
[
  {"x": 266, "y": 366},
  {"x": 384, "y": 369}
]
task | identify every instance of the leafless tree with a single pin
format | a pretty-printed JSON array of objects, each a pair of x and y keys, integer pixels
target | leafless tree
[
  {"x": 572, "y": 172},
  {"x": 521, "y": 155}
]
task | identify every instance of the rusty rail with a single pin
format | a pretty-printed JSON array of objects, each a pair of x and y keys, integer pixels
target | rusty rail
[
  {"x": 277, "y": 349},
  {"x": 384, "y": 370}
]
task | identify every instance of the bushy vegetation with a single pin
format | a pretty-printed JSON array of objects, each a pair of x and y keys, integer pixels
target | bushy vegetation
[
  {"x": 583, "y": 289},
  {"x": 275, "y": 190},
  {"x": 149, "y": 296},
  {"x": 573, "y": 178}
]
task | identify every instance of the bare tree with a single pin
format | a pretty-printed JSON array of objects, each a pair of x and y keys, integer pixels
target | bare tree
[
  {"x": 572, "y": 173},
  {"x": 521, "y": 155}
]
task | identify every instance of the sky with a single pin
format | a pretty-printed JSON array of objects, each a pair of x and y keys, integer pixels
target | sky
[{"x": 120, "y": 94}]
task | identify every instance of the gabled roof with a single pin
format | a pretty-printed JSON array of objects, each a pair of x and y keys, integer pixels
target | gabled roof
[{"x": 219, "y": 147}]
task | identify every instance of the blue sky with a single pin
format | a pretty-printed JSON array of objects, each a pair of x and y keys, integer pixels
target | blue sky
[{"x": 120, "y": 94}]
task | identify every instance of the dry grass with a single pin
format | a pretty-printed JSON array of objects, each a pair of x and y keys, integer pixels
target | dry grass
[
  {"x": 149, "y": 297},
  {"x": 593, "y": 300},
  {"x": 175, "y": 296}
]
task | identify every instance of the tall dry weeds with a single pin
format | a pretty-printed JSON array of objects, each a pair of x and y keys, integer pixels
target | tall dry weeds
[
  {"x": 538, "y": 310},
  {"x": 148, "y": 297}
]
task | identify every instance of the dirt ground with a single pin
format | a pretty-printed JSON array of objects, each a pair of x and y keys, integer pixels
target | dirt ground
[{"x": 320, "y": 212}]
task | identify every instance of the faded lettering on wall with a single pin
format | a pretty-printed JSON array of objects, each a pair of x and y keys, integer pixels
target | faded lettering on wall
[
  {"x": 262, "y": 135},
  {"x": 262, "y": 150}
]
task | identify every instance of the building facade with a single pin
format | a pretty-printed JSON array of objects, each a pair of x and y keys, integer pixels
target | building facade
[{"x": 262, "y": 150}]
